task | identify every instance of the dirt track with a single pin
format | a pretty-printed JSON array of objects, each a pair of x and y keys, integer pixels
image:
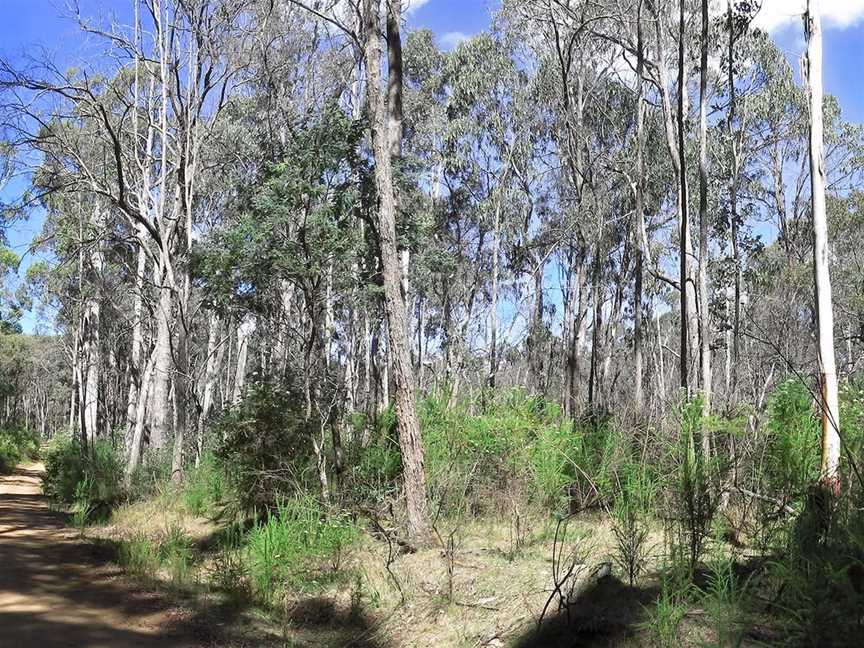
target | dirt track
[{"x": 56, "y": 590}]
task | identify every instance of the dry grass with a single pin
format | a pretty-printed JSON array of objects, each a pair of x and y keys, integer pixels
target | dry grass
[{"x": 499, "y": 588}]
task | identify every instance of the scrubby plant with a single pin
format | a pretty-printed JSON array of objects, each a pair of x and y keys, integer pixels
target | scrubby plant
[
  {"x": 83, "y": 507},
  {"x": 792, "y": 456},
  {"x": 151, "y": 476},
  {"x": 630, "y": 521},
  {"x": 64, "y": 468},
  {"x": 72, "y": 477},
  {"x": 724, "y": 599},
  {"x": 176, "y": 554},
  {"x": 140, "y": 555},
  {"x": 696, "y": 487},
  {"x": 204, "y": 486},
  {"x": 266, "y": 448},
  {"x": 298, "y": 545},
  {"x": 10, "y": 454},
  {"x": 17, "y": 444}
]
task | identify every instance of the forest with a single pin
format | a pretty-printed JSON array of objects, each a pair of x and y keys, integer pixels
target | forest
[{"x": 335, "y": 332}]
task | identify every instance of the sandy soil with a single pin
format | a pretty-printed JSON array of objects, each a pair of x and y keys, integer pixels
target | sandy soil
[{"x": 57, "y": 591}]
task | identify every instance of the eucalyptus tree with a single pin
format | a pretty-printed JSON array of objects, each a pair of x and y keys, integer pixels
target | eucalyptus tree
[
  {"x": 385, "y": 123},
  {"x": 829, "y": 403}
]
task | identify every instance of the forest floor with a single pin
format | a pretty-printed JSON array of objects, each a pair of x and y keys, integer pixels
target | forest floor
[
  {"x": 56, "y": 590},
  {"x": 59, "y": 590}
]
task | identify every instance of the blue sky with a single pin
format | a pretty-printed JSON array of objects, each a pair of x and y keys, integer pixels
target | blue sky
[{"x": 29, "y": 24}]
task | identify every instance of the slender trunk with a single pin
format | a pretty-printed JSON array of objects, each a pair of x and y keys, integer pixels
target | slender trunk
[
  {"x": 493, "y": 306},
  {"x": 733, "y": 207},
  {"x": 244, "y": 332},
  {"x": 638, "y": 336},
  {"x": 704, "y": 320},
  {"x": 211, "y": 374},
  {"x": 682, "y": 251},
  {"x": 407, "y": 423},
  {"x": 136, "y": 446},
  {"x": 595, "y": 329},
  {"x": 812, "y": 73}
]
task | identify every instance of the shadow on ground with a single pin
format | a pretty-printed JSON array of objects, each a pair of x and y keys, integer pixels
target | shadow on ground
[
  {"x": 230, "y": 618},
  {"x": 605, "y": 615},
  {"x": 56, "y": 591}
]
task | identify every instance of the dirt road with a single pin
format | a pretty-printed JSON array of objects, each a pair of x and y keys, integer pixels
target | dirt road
[{"x": 56, "y": 591}]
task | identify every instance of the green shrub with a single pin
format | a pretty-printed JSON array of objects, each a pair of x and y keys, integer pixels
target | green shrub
[
  {"x": 17, "y": 444},
  {"x": 153, "y": 474},
  {"x": 176, "y": 554},
  {"x": 10, "y": 454},
  {"x": 297, "y": 546},
  {"x": 64, "y": 469},
  {"x": 95, "y": 479},
  {"x": 204, "y": 486},
  {"x": 266, "y": 449},
  {"x": 792, "y": 459},
  {"x": 139, "y": 555}
]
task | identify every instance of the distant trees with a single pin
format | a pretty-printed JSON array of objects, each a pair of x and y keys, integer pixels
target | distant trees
[{"x": 249, "y": 198}]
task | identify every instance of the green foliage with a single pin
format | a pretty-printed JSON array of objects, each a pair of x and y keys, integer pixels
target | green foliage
[
  {"x": 139, "y": 555},
  {"x": 514, "y": 443},
  {"x": 151, "y": 475},
  {"x": 16, "y": 444},
  {"x": 819, "y": 576},
  {"x": 83, "y": 508},
  {"x": 64, "y": 468},
  {"x": 267, "y": 243},
  {"x": 792, "y": 458},
  {"x": 10, "y": 454},
  {"x": 176, "y": 554},
  {"x": 265, "y": 449},
  {"x": 630, "y": 521},
  {"x": 298, "y": 545},
  {"x": 93, "y": 482},
  {"x": 725, "y": 600},
  {"x": 669, "y": 610},
  {"x": 204, "y": 486},
  {"x": 695, "y": 494}
]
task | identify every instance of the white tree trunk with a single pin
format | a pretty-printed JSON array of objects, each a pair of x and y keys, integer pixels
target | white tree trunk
[{"x": 812, "y": 73}]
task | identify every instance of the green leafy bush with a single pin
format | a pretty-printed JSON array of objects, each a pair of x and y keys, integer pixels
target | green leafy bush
[
  {"x": 10, "y": 454},
  {"x": 204, "y": 486},
  {"x": 64, "y": 468},
  {"x": 152, "y": 475},
  {"x": 792, "y": 459},
  {"x": 17, "y": 444},
  {"x": 266, "y": 449},
  {"x": 139, "y": 555},
  {"x": 298, "y": 545},
  {"x": 93, "y": 482}
]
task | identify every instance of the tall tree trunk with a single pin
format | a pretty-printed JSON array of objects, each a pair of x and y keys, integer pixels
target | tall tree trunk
[
  {"x": 812, "y": 74},
  {"x": 704, "y": 319},
  {"x": 211, "y": 375},
  {"x": 244, "y": 332},
  {"x": 407, "y": 423},
  {"x": 638, "y": 335},
  {"x": 682, "y": 252},
  {"x": 493, "y": 306},
  {"x": 733, "y": 208},
  {"x": 160, "y": 427}
]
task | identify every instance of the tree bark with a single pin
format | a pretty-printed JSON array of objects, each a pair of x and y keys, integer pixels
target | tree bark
[
  {"x": 704, "y": 319},
  {"x": 682, "y": 251},
  {"x": 407, "y": 423},
  {"x": 812, "y": 73}
]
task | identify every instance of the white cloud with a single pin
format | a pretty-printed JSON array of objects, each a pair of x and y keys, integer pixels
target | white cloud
[
  {"x": 410, "y": 6},
  {"x": 451, "y": 39},
  {"x": 776, "y": 14}
]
